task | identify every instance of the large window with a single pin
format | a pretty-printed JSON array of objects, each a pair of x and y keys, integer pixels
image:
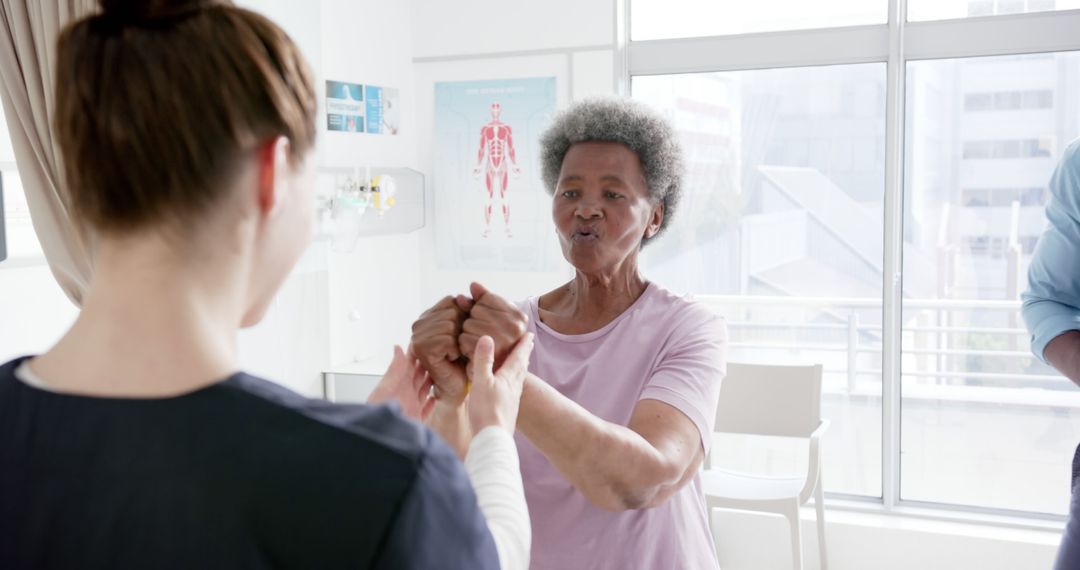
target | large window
[
  {"x": 23, "y": 246},
  {"x": 920, "y": 10},
  {"x": 662, "y": 19},
  {"x": 984, "y": 422},
  {"x": 871, "y": 203},
  {"x": 786, "y": 182}
]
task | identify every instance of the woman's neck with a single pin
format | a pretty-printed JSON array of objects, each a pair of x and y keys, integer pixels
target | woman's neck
[
  {"x": 591, "y": 301},
  {"x": 152, "y": 324}
]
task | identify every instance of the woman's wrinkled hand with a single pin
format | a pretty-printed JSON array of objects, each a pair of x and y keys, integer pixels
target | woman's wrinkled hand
[
  {"x": 491, "y": 315},
  {"x": 435, "y": 343}
]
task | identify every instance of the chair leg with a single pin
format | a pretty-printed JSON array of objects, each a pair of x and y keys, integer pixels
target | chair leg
[
  {"x": 819, "y": 504},
  {"x": 796, "y": 537}
]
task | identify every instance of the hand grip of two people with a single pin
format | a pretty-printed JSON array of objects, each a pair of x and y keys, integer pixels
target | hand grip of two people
[
  {"x": 493, "y": 399},
  {"x": 495, "y": 395}
]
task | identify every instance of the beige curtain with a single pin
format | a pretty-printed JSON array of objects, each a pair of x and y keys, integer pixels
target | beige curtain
[{"x": 28, "y": 33}]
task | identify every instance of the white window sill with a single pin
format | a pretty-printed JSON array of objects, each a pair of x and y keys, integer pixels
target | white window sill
[
  {"x": 23, "y": 261},
  {"x": 1033, "y": 529}
]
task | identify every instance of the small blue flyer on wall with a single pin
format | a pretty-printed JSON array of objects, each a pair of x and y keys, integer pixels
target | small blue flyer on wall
[
  {"x": 383, "y": 116},
  {"x": 373, "y": 97},
  {"x": 344, "y": 107}
]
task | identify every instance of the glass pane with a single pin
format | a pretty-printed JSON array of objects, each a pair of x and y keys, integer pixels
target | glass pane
[
  {"x": 780, "y": 229},
  {"x": 665, "y": 19},
  {"x": 19, "y": 234},
  {"x": 922, "y": 10},
  {"x": 984, "y": 423},
  {"x": 22, "y": 242}
]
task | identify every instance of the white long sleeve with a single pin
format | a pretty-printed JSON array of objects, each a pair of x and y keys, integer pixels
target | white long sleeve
[{"x": 495, "y": 472}]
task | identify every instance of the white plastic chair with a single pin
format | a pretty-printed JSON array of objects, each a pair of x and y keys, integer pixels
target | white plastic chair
[{"x": 780, "y": 401}]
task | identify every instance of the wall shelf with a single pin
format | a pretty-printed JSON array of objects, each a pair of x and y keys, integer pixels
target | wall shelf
[{"x": 405, "y": 215}]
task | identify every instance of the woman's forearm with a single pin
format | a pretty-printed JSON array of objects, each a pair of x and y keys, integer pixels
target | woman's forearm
[{"x": 612, "y": 465}]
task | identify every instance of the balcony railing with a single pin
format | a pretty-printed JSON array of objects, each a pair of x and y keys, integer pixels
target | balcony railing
[{"x": 963, "y": 351}]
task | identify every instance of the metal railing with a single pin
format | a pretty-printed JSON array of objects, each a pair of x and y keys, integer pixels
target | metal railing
[{"x": 939, "y": 347}]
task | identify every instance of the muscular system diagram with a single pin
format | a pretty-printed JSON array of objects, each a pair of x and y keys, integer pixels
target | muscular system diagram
[{"x": 494, "y": 162}]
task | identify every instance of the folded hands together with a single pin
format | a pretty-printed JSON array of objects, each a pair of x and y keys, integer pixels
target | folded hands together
[{"x": 466, "y": 353}]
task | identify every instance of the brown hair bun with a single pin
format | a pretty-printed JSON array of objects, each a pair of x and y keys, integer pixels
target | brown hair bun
[{"x": 146, "y": 11}]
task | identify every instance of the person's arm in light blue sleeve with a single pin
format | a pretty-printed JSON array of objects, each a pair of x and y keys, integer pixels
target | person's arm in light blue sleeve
[{"x": 1052, "y": 302}]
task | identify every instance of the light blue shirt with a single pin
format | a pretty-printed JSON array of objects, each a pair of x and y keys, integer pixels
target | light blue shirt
[{"x": 1052, "y": 301}]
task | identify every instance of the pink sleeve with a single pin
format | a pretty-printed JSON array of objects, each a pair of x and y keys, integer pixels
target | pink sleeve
[{"x": 690, "y": 370}]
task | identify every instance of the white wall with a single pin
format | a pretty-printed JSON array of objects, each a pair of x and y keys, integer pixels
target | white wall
[
  {"x": 483, "y": 39},
  {"x": 371, "y": 42},
  {"x": 467, "y": 27},
  {"x": 291, "y": 344},
  {"x": 34, "y": 312},
  {"x": 860, "y": 541},
  {"x": 308, "y": 329},
  {"x": 387, "y": 281}
]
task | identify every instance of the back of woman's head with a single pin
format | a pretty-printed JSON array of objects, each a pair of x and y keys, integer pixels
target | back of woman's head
[{"x": 157, "y": 100}]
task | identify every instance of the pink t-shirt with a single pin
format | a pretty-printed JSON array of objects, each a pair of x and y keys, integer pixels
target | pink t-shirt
[{"x": 664, "y": 347}]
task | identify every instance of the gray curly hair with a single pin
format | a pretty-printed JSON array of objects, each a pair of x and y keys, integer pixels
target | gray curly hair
[{"x": 625, "y": 121}]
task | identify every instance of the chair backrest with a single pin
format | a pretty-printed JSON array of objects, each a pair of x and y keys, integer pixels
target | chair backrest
[{"x": 770, "y": 400}]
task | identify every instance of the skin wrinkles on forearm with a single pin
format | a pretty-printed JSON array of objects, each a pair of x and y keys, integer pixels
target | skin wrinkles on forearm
[{"x": 616, "y": 467}]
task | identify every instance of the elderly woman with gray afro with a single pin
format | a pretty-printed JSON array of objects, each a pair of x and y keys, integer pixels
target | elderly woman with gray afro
[{"x": 617, "y": 409}]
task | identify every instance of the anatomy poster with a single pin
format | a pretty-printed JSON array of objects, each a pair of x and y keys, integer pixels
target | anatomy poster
[{"x": 492, "y": 211}]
